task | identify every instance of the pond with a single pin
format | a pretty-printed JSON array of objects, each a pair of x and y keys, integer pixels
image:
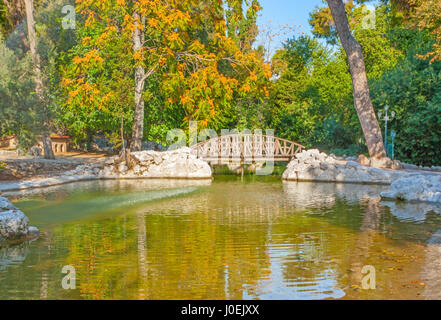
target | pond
[{"x": 255, "y": 238}]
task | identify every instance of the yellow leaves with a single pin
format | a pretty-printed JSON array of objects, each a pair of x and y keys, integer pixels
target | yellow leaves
[
  {"x": 90, "y": 57},
  {"x": 173, "y": 37},
  {"x": 86, "y": 41},
  {"x": 73, "y": 93},
  {"x": 267, "y": 71},
  {"x": 66, "y": 81},
  {"x": 162, "y": 61},
  {"x": 185, "y": 99},
  {"x": 153, "y": 22},
  {"x": 77, "y": 60},
  {"x": 90, "y": 19},
  {"x": 203, "y": 123},
  {"x": 246, "y": 87},
  {"x": 266, "y": 92},
  {"x": 253, "y": 76},
  {"x": 138, "y": 55}
]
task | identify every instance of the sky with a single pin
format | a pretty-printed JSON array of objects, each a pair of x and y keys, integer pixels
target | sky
[{"x": 276, "y": 13}]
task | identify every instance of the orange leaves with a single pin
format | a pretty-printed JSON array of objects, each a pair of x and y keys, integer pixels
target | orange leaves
[
  {"x": 185, "y": 99},
  {"x": 86, "y": 41},
  {"x": 120, "y": 2},
  {"x": 162, "y": 61},
  {"x": 90, "y": 57},
  {"x": 253, "y": 76},
  {"x": 153, "y": 22},
  {"x": 66, "y": 81},
  {"x": 173, "y": 37},
  {"x": 138, "y": 55},
  {"x": 246, "y": 87}
]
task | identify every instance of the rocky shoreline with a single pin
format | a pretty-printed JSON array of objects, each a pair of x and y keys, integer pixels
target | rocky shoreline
[
  {"x": 176, "y": 164},
  {"x": 408, "y": 185},
  {"x": 310, "y": 165}
]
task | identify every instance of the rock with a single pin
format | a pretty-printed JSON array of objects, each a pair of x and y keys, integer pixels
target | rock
[
  {"x": 5, "y": 205},
  {"x": 420, "y": 188},
  {"x": 181, "y": 163},
  {"x": 151, "y": 145},
  {"x": 381, "y": 163},
  {"x": 35, "y": 151},
  {"x": 122, "y": 167},
  {"x": 312, "y": 165},
  {"x": 101, "y": 144},
  {"x": 14, "y": 225},
  {"x": 363, "y": 160},
  {"x": 408, "y": 166}
]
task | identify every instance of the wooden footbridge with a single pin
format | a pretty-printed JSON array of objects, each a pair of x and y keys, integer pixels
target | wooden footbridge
[{"x": 247, "y": 148}]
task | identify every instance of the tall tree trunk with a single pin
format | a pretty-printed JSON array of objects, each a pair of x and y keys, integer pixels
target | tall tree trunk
[
  {"x": 47, "y": 143},
  {"x": 362, "y": 100},
  {"x": 138, "y": 117}
]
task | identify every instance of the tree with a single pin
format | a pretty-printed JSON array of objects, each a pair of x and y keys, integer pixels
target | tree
[
  {"x": 179, "y": 48},
  {"x": 38, "y": 78},
  {"x": 361, "y": 92},
  {"x": 140, "y": 76},
  {"x": 12, "y": 14}
]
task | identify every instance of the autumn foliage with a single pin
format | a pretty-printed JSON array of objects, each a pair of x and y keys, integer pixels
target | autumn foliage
[{"x": 201, "y": 68}]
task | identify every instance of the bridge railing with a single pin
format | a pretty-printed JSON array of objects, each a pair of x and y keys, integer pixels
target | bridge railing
[{"x": 247, "y": 147}]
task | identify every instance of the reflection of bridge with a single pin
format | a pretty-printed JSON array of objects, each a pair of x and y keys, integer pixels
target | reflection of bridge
[{"x": 247, "y": 148}]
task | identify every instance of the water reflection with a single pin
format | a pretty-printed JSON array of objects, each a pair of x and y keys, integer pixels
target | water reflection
[
  {"x": 431, "y": 272},
  {"x": 221, "y": 240},
  {"x": 415, "y": 212},
  {"x": 13, "y": 255}
]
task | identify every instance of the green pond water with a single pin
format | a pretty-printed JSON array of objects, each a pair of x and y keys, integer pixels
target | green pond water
[{"x": 258, "y": 238}]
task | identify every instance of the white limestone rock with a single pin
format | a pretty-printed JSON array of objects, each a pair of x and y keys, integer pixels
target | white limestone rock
[
  {"x": 417, "y": 188},
  {"x": 181, "y": 163},
  {"x": 14, "y": 224},
  {"x": 313, "y": 165}
]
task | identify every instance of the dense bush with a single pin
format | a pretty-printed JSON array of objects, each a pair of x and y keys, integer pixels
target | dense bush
[{"x": 413, "y": 90}]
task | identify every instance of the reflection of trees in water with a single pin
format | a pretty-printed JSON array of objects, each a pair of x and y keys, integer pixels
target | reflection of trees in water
[
  {"x": 360, "y": 252},
  {"x": 431, "y": 272},
  {"x": 222, "y": 244},
  {"x": 142, "y": 256}
]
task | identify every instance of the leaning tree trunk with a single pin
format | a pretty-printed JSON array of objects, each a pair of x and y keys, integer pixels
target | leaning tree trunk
[
  {"x": 47, "y": 143},
  {"x": 138, "y": 117},
  {"x": 362, "y": 100}
]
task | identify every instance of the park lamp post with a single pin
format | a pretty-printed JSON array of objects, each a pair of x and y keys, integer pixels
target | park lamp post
[
  {"x": 386, "y": 119},
  {"x": 393, "y": 134}
]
